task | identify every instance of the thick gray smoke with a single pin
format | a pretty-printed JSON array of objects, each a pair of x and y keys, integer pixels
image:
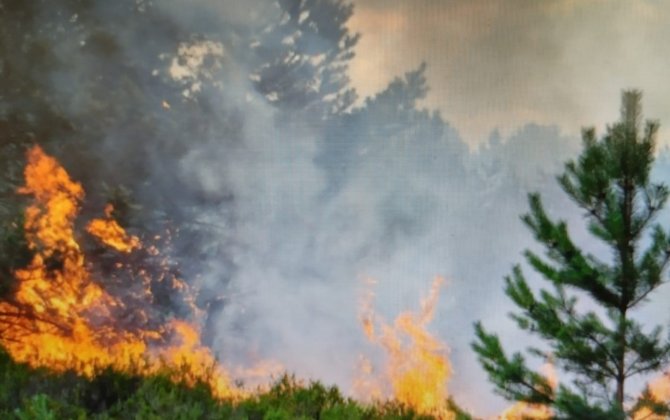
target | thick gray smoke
[
  {"x": 286, "y": 212},
  {"x": 397, "y": 202}
]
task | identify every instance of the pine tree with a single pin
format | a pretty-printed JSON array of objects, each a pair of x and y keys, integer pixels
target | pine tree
[{"x": 599, "y": 350}]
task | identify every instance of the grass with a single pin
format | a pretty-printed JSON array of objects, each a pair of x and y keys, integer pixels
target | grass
[{"x": 31, "y": 394}]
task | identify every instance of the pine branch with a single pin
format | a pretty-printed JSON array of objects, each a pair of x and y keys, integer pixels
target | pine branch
[{"x": 610, "y": 181}]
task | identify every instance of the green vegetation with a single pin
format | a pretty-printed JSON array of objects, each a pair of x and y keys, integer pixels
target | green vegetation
[
  {"x": 27, "y": 393},
  {"x": 601, "y": 348}
]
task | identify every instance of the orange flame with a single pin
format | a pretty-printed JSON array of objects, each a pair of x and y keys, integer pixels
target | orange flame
[
  {"x": 660, "y": 391},
  {"x": 522, "y": 410},
  {"x": 61, "y": 319},
  {"x": 111, "y": 234},
  {"x": 418, "y": 368}
]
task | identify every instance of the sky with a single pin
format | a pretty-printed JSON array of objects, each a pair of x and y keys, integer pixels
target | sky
[{"x": 502, "y": 63}]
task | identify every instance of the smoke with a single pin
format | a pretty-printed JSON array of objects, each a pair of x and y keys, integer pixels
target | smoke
[
  {"x": 284, "y": 214},
  {"x": 402, "y": 209},
  {"x": 503, "y": 63}
]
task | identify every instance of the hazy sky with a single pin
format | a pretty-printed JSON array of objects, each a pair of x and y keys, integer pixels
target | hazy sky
[{"x": 501, "y": 63}]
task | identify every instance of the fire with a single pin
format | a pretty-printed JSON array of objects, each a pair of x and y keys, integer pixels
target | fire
[
  {"x": 111, "y": 234},
  {"x": 417, "y": 368},
  {"x": 522, "y": 410},
  {"x": 199, "y": 360},
  {"x": 660, "y": 391},
  {"x": 60, "y": 318}
]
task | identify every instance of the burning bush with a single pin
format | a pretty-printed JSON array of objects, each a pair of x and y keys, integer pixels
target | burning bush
[
  {"x": 87, "y": 340},
  {"x": 62, "y": 318}
]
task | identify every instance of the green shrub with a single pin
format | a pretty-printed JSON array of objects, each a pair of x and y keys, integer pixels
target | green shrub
[
  {"x": 43, "y": 407},
  {"x": 27, "y": 394}
]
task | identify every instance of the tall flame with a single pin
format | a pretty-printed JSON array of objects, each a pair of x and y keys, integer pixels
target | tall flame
[
  {"x": 60, "y": 318},
  {"x": 417, "y": 368}
]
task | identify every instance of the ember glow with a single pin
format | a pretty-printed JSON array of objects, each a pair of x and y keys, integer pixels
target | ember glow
[
  {"x": 62, "y": 318},
  {"x": 417, "y": 367}
]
